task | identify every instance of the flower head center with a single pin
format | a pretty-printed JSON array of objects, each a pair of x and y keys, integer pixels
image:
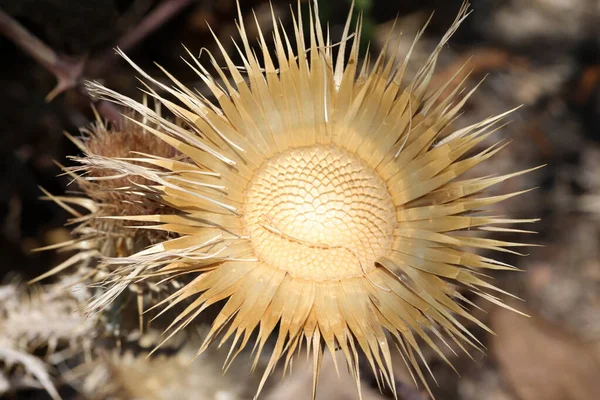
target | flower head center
[{"x": 319, "y": 213}]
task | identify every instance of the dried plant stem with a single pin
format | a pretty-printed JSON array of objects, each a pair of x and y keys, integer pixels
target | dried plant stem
[
  {"x": 154, "y": 20},
  {"x": 69, "y": 72}
]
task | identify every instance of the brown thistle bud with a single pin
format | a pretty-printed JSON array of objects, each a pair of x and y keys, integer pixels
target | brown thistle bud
[
  {"x": 106, "y": 193},
  {"x": 107, "y": 187}
]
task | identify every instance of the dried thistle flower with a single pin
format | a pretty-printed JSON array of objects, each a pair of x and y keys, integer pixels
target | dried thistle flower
[
  {"x": 105, "y": 192},
  {"x": 321, "y": 200},
  {"x": 106, "y": 188},
  {"x": 130, "y": 374},
  {"x": 46, "y": 321}
]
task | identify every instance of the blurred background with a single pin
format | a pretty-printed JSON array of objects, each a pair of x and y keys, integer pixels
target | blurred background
[{"x": 542, "y": 54}]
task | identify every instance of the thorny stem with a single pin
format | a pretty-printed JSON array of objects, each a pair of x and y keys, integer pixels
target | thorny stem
[
  {"x": 155, "y": 19},
  {"x": 69, "y": 72},
  {"x": 164, "y": 12}
]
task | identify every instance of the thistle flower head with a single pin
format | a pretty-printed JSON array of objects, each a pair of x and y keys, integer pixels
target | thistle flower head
[{"x": 321, "y": 200}]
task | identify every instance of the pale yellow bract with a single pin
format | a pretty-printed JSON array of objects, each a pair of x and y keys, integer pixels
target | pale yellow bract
[{"x": 320, "y": 199}]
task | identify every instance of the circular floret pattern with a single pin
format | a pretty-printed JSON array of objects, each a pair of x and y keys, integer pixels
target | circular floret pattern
[{"x": 319, "y": 213}]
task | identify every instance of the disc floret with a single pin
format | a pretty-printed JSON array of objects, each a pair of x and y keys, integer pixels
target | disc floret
[{"x": 319, "y": 213}]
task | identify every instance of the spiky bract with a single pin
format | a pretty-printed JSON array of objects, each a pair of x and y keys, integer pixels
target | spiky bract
[{"x": 321, "y": 201}]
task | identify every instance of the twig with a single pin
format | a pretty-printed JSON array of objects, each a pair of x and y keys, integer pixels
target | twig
[
  {"x": 67, "y": 72},
  {"x": 154, "y": 20}
]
